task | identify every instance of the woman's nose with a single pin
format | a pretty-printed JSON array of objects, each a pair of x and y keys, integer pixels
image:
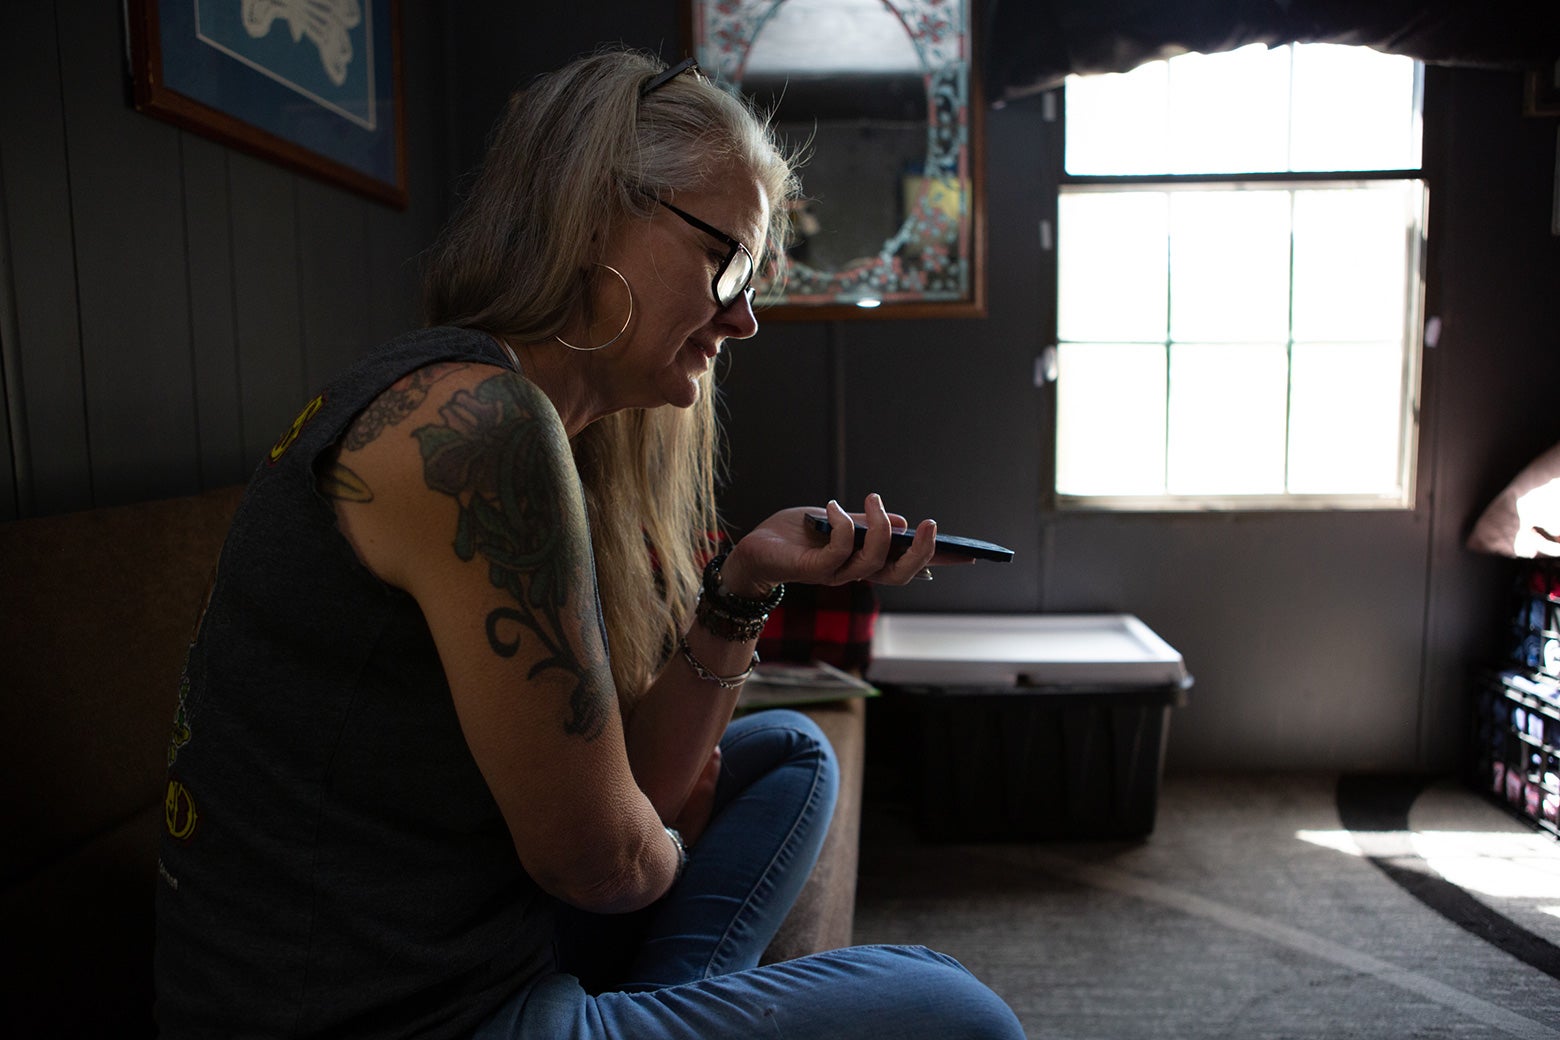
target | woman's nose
[{"x": 737, "y": 316}]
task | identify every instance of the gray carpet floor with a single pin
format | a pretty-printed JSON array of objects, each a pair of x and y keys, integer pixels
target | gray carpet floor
[{"x": 1253, "y": 911}]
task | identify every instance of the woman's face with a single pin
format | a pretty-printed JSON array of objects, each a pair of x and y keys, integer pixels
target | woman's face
[{"x": 678, "y": 328}]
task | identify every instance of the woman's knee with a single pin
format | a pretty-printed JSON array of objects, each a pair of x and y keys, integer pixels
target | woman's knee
[
  {"x": 898, "y": 991},
  {"x": 779, "y": 721},
  {"x": 781, "y": 736},
  {"x": 968, "y": 1008}
]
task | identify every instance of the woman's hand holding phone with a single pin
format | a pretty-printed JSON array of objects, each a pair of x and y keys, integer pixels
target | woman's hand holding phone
[{"x": 873, "y": 545}]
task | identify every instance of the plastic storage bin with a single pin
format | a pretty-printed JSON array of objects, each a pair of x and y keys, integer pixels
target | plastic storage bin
[{"x": 1032, "y": 726}]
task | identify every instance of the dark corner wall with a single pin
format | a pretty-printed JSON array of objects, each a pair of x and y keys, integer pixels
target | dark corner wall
[{"x": 171, "y": 303}]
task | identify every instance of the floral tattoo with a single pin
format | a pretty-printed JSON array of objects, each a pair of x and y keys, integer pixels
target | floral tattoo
[
  {"x": 495, "y": 457},
  {"x": 338, "y": 480},
  {"x": 396, "y": 403}
]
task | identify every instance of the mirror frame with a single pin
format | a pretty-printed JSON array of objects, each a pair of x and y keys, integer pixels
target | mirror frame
[{"x": 719, "y": 33}]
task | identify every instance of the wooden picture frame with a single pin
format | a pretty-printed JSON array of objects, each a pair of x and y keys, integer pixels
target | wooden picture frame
[
  {"x": 1554, "y": 205},
  {"x": 1541, "y": 93},
  {"x": 320, "y": 95},
  {"x": 881, "y": 231}
]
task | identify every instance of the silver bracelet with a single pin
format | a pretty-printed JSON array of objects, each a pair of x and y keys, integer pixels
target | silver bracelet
[
  {"x": 725, "y": 682},
  {"x": 682, "y": 852}
]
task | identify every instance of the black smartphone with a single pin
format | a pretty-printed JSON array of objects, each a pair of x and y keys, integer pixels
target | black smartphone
[{"x": 900, "y": 540}]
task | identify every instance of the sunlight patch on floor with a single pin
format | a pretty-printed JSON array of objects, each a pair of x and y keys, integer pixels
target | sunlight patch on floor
[{"x": 1512, "y": 865}]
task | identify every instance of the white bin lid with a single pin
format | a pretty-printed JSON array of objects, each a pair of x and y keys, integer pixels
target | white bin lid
[{"x": 1021, "y": 650}]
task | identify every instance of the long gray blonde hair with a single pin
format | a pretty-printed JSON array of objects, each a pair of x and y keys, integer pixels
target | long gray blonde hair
[{"x": 575, "y": 155}]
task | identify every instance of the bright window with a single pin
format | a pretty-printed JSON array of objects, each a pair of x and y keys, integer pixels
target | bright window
[{"x": 1239, "y": 251}]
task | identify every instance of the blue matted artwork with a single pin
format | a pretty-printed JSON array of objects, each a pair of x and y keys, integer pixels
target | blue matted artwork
[{"x": 313, "y": 84}]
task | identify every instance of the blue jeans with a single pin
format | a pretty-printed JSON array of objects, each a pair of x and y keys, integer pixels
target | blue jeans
[{"x": 687, "y": 967}]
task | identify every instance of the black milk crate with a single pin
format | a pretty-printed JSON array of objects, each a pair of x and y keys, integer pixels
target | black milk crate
[{"x": 1516, "y": 731}]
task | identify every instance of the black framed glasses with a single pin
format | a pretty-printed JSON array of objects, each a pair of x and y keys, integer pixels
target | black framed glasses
[
  {"x": 735, "y": 273},
  {"x": 661, "y": 79}
]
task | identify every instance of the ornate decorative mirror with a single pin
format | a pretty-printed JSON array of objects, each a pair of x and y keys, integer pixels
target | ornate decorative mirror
[{"x": 881, "y": 97}]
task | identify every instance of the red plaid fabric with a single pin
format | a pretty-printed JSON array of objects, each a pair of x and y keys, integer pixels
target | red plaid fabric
[
  {"x": 1543, "y": 579},
  {"x": 825, "y": 623}
]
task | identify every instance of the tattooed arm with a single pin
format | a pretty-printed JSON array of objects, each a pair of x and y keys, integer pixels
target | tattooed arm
[{"x": 458, "y": 486}]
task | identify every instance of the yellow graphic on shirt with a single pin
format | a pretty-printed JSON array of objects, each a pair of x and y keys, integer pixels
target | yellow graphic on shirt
[
  {"x": 291, "y": 435},
  {"x": 179, "y": 811},
  {"x": 181, "y": 719}
]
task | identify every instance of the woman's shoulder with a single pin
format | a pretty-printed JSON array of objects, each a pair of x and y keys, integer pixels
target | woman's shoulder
[
  {"x": 423, "y": 346},
  {"x": 443, "y": 397},
  {"x": 483, "y": 405},
  {"x": 472, "y": 431}
]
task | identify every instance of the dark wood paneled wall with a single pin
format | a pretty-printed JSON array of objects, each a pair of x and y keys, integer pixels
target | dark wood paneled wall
[
  {"x": 1318, "y": 640},
  {"x": 172, "y": 302},
  {"x": 167, "y": 304}
]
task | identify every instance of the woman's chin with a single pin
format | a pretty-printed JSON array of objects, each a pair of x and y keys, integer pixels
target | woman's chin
[
  {"x": 681, "y": 390},
  {"x": 689, "y": 396}
]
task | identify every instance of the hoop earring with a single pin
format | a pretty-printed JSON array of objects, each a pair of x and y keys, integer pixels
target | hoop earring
[{"x": 626, "y": 288}]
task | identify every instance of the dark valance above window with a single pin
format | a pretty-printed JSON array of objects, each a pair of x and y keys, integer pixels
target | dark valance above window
[{"x": 1031, "y": 44}]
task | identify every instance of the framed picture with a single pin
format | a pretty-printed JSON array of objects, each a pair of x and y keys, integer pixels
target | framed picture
[
  {"x": 315, "y": 87},
  {"x": 884, "y": 98},
  {"x": 1543, "y": 92},
  {"x": 1554, "y": 208}
]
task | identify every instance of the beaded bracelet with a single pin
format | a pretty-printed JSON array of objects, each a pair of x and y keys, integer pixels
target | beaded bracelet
[{"x": 737, "y": 618}]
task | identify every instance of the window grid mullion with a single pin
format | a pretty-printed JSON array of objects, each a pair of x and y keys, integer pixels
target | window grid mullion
[
  {"x": 1289, "y": 348},
  {"x": 1164, "y": 474}
]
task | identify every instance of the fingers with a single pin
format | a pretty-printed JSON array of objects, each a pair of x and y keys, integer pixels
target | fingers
[
  {"x": 880, "y": 530},
  {"x": 878, "y": 557},
  {"x": 847, "y": 561},
  {"x": 914, "y": 562},
  {"x": 869, "y": 555},
  {"x": 842, "y": 530}
]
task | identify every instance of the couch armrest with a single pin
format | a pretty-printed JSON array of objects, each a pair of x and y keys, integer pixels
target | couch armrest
[{"x": 823, "y": 916}]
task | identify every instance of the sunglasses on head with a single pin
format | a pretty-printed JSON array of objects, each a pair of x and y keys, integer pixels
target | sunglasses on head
[{"x": 656, "y": 82}]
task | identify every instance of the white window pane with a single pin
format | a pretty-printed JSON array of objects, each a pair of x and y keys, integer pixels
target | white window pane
[
  {"x": 1287, "y": 309},
  {"x": 1116, "y": 122},
  {"x": 1354, "y": 109},
  {"x": 1352, "y": 271},
  {"x": 1229, "y": 265},
  {"x": 1229, "y": 111},
  {"x": 1227, "y": 406},
  {"x": 1346, "y": 418},
  {"x": 1112, "y": 251},
  {"x": 1110, "y": 419}
]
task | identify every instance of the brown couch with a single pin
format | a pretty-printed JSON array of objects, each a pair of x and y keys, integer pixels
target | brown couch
[{"x": 96, "y": 609}]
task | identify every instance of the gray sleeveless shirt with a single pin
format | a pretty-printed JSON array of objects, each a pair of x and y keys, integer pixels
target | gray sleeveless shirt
[{"x": 333, "y": 863}]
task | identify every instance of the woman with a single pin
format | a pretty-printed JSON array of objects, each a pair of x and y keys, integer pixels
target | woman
[{"x": 410, "y": 791}]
